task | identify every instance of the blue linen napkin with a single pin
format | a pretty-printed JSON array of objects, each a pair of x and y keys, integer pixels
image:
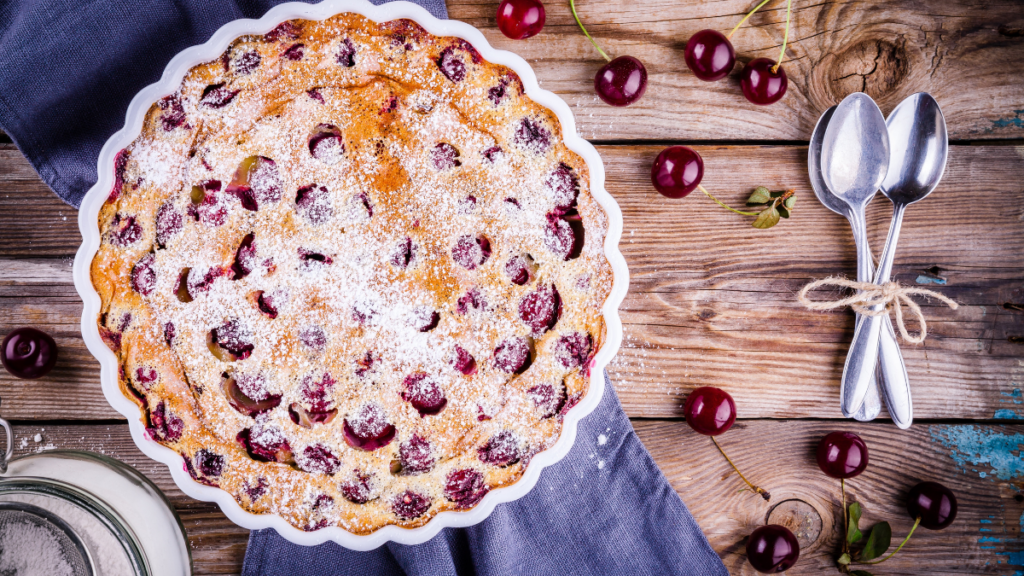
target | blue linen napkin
[{"x": 67, "y": 73}]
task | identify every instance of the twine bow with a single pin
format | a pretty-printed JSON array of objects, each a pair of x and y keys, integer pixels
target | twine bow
[{"x": 870, "y": 295}]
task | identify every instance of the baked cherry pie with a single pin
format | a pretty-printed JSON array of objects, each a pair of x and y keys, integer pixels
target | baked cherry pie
[{"x": 352, "y": 274}]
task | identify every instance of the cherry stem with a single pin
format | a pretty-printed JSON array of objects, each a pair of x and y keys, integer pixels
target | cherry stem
[
  {"x": 785, "y": 38},
  {"x": 572, "y": 4},
  {"x": 846, "y": 521},
  {"x": 745, "y": 18},
  {"x": 900, "y": 547},
  {"x": 726, "y": 206},
  {"x": 764, "y": 493}
]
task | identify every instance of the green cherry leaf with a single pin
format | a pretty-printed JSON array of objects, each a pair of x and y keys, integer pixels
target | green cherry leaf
[
  {"x": 855, "y": 513},
  {"x": 878, "y": 541},
  {"x": 767, "y": 218},
  {"x": 790, "y": 202},
  {"x": 761, "y": 195},
  {"x": 861, "y": 573},
  {"x": 778, "y": 194},
  {"x": 844, "y": 559},
  {"x": 784, "y": 211},
  {"x": 853, "y": 533}
]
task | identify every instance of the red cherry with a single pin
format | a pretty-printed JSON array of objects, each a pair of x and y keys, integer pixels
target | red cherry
[
  {"x": 772, "y": 549},
  {"x": 710, "y": 55},
  {"x": 28, "y": 353},
  {"x": 621, "y": 81},
  {"x": 842, "y": 455},
  {"x": 760, "y": 85},
  {"x": 677, "y": 171},
  {"x": 933, "y": 503},
  {"x": 710, "y": 411},
  {"x": 520, "y": 19}
]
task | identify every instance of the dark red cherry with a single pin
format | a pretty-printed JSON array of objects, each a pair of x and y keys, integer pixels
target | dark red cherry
[
  {"x": 368, "y": 428},
  {"x": 541, "y": 309},
  {"x": 502, "y": 449},
  {"x": 415, "y": 455},
  {"x": 621, "y": 81},
  {"x": 512, "y": 355},
  {"x": 677, "y": 171},
  {"x": 760, "y": 85},
  {"x": 772, "y": 549},
  {"x": 410, "y": 505},
  {"x": 424, "y": 394},
  {"x": 842, "y": 455},
  {"x": 465, "y": 487},
  {"x": 709, "y": 55},
  {"x": 710, "y": 411},
  {"x": 520, "y": 19},
  {"x": 318, "y": 458},
  {"x": 28, "y": 353},
  {"x": 933, "y": 503}
]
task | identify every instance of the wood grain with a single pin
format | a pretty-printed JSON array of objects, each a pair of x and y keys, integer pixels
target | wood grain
[
  {"x": 966, "y": 54},
  {"x": 781, "y": 459},
  {"x": 711, "y": 300}
]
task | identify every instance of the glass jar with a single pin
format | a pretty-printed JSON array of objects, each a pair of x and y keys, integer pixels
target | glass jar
[{"x": 96, "y": 516}]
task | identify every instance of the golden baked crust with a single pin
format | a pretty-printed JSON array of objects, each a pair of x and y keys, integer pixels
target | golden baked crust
[{"x": 344, "y": 272}]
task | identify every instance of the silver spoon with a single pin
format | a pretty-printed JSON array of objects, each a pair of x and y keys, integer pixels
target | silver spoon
[
  {"x": 854, "y": 161},
  {"x": 872, "y": 405},
  {"x": 915, "y": 168}
]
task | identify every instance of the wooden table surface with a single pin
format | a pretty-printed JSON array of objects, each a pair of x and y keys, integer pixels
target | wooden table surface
[{"x": 712, "y": 300}]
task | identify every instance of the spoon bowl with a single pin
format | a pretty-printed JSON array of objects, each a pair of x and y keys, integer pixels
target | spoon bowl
[
  {"x": 855, "y": 150},
  {"x": 917, "y": 165}
]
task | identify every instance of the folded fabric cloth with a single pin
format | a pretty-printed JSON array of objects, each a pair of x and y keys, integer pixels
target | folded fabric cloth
[
  {"x": 68, "y": 72},
  {"x": 604, "y": 509},
  {"x": 69, "y": 69}
]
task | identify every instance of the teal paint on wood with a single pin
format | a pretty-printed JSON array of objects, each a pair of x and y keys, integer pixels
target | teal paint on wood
[{"x": 977, "y": 447}]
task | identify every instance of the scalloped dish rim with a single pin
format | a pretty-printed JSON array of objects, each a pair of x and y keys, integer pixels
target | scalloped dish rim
[{"x": 169, "y": 82}]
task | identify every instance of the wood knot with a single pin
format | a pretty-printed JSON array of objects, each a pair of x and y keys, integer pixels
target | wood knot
[
  {"x": 876, "y": 67},
  {"x": 801, "y": 518}
]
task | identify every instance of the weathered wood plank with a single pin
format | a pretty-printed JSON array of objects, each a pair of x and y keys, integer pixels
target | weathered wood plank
[
  {"x": 982, "y": 540},
  {"x": 887, "y": 49},
  {"x": 979, "y": 463},
  {"x": 711, "y": 300}
]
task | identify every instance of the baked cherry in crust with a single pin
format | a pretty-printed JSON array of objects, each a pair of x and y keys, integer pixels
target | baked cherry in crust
[
  {"x": 358, "y": 489},
  {"x": 415, "y": 455},
  {"x": 424, "y": 394},
  {"x": 410, "y": 505},
  {"x": 465, "y": 487},
  {"x": 502, "y": 449},
  {"x": 368, "y": 428}
]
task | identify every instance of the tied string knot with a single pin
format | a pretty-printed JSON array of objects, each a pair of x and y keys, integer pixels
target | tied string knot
[{"x": 870, "y": 298}]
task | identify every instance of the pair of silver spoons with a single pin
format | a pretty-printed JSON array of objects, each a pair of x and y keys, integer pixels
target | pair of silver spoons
[{"x": 854, "y": 151}]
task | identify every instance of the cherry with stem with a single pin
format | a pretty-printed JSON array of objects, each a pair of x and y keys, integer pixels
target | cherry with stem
[
  {"x": 763, "y": 80},
  {"x": 621, "y": 81},
  {"x": 678, "y": 170},
  {"x": 711, "y": 411}
]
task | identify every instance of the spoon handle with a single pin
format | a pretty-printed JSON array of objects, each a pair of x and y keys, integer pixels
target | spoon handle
[
  {"x": 863, "y": 354},
  {"x": 872, "y": 405}
]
